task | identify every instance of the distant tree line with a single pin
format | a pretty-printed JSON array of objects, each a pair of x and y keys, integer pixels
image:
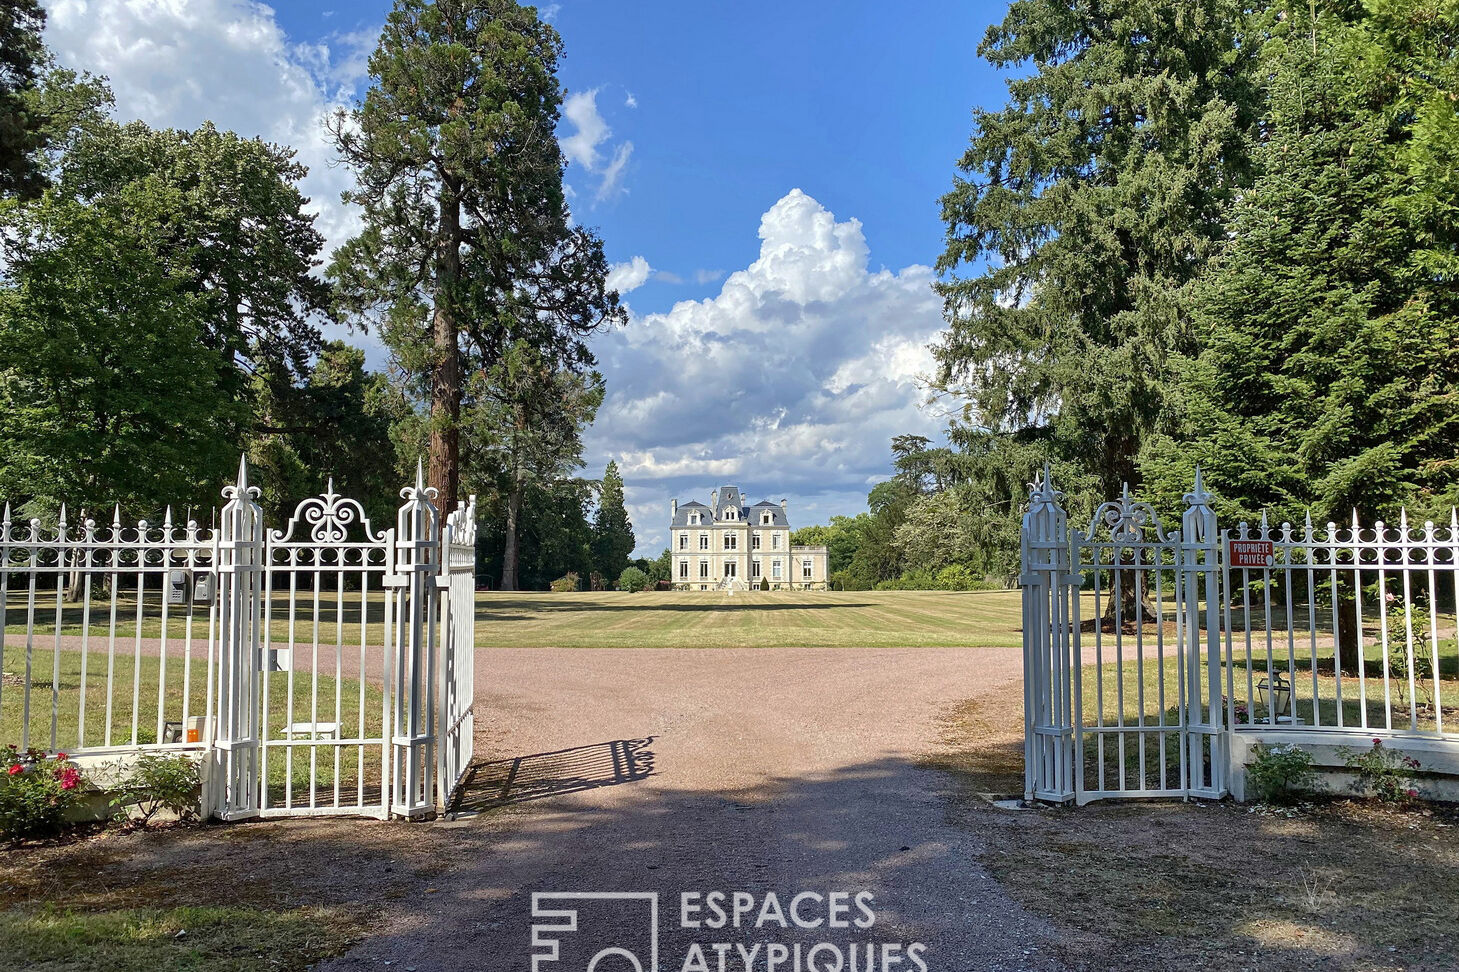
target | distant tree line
[
  {"x": 1201, "y": 232},
  {"x": 163, "y": 294}
]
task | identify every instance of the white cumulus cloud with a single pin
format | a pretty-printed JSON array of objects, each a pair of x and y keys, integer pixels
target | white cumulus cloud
[
  {"x": 790, "y": 382},
  {"x": 180, "y": 64},
  {"x": 590, "y": 133},
  {"x": 589, "y": 129},
  {"x": 630, "y": 275}
]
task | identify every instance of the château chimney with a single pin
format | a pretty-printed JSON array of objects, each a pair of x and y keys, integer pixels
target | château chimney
[{"x": 673, "y": 507}]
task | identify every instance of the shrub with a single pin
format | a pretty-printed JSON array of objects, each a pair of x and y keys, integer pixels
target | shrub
[
  {"x": 632, "y": 580},
  {"x": 566, "y": 583},
  {"x": 764, "y": 583},
  {"x": 959, "y": 577},
  {"x": 160, "y": 781},
  {"x": 36, "y": 792},
  {"x": 1281, "y": 773},
  {"x": 1386, "y": 774}
]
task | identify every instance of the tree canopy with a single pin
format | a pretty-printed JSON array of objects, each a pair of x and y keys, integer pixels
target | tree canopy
[
  {"x": 146, "y": 291},
  {"x": 1212, "y": 232},
  {"x": 23, "y": 128},
  {"x": 1330, "y": 374},
  {"x": 1085, "y": 208}
]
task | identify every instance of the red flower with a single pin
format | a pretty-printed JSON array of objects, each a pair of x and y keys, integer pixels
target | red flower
[
  {"x": 70, "y": 777},
  {"x": 1413, "y": 793},
  {"x": 62, "y": 756},
  {"x": 1377, "y": 741},
  {"x": 16, "y": 768}
]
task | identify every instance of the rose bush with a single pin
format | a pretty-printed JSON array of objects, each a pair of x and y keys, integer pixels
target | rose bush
[{"x": 36, "y": 791}]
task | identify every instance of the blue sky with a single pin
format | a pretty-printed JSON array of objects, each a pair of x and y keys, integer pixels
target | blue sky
[{"x": 765, "y": 179}]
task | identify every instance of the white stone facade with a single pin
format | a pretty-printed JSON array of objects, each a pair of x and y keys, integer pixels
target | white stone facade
[{"x": 730, "y": 545}]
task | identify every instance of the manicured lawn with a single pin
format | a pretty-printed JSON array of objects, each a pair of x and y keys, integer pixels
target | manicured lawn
[
  {"x": 775, "y": 619},
  {"x": 336, "y": 611},
  {"x": 607, "y": 619}
]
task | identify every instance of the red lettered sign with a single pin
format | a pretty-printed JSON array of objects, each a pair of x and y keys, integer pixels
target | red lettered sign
[{"x": 1251, "y": 553}]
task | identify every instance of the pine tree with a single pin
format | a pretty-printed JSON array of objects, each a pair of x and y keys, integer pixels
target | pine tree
[
  {"x": 1089, "y": 203},
  {"x": 23, "y": 125},
  {"x": 1331, "y": 379},
  {"x": 612, "y": 532}
]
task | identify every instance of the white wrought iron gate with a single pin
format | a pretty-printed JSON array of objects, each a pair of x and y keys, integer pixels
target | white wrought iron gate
[
  {"x": 1122, "y": 687},
  {"x": 322, "y": 668},
  {"x": 1156, "y": 659}
]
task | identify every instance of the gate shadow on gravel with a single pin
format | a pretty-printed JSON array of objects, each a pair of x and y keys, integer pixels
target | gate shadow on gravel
[{"x": 504, "y": 782}]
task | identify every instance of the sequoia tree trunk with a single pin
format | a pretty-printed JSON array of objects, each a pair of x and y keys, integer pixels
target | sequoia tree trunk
[
  {"x": 1349, "y": 630},
  {"x": 1133, "y": 601},
  {"x": 509, "y": 547},
  {"x": 445, "y": 447}
]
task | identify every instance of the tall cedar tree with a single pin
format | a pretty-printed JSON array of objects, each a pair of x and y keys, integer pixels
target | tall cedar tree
[
  {"x": 612, "y": 532},
  {"x": 22, "y": 127},
  {"x": 467, "y": 245},
  {"x": 1089, "y": 203}
]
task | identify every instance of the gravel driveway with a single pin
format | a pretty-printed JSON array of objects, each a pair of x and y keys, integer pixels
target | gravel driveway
[{"x": 672, "y": 771}]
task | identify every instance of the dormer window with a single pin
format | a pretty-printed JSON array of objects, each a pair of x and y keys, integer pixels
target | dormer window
[
  {"x": 767, "y": 518},
  {"x": 694, "y": 518},
  {"x": 731, "y": 514}
]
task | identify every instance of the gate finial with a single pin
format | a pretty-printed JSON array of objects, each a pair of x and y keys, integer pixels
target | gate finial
[
  {"x": 1198, "y": 496},
  {"x": 420, "y": 474},
  {"x": 242, "y": 481}
]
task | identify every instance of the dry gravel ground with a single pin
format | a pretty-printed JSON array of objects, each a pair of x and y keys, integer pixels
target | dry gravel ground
[
  {"x": 654, "y": 769},
  {"x": 671, "y": 771}
]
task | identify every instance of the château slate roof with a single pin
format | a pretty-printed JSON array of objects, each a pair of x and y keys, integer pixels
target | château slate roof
[
  {"x": 753, "y": 513},
  {"x": 681, "y": 515},
  {"x": 730, "y": 498}
]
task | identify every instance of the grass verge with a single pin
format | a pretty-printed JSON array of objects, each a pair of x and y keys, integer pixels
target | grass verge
[
  {"x": 1177, "y": 885},
  {"x": 217, "y": 939}
]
